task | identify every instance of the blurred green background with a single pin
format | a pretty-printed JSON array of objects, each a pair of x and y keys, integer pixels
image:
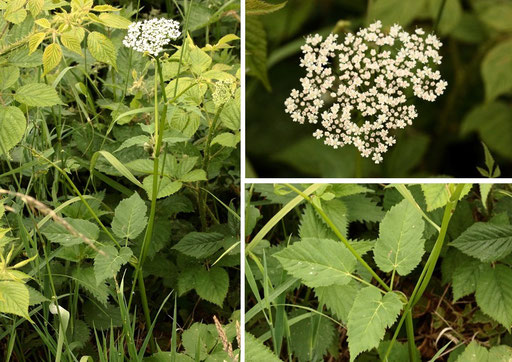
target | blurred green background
[{"x": 446, "y": 138}]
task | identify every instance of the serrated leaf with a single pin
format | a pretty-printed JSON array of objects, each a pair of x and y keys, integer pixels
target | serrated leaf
[
  {"x": 485, "y": 241},
  {"x": 400, "y": 245},
  {"x": 312, "y": 226},
  {"x": 199, "y": 339},
  {"x": 212, "y": 285},
  {"x": 43, "y": 22},
  {"x": 310, "y": 337},
  {"x": 14, "y": 298},
  {"x": 12, "y": 127},
  {"x": 465, "y": 276},
  {"x": 51, "y": 57},
  {"x": 35, "y": 297},
  {"x": 496, "y": 69},
  {"x": 369, "y": 317},
  {"x": 37, "y": 95},
  {"x": 338, "y": 298},
  {"x": 256, "y": 351},
  {"x": 34, "y": 40},
  {"x": 194, "y": 175},
  {"x": 130, "y": 217},
  {"x": 474, "y": 353},
  {"x": 337, "y": 212},
  {"x": 114, "y": 21},
  {"x": 16, "y": 16},
  {"x": 107, "y": 265},
  {"x": 362, "y": 208},
  {"x": 438, "y": 195},
  {"x": 318, "y": 262},
  {"x": 166, "y": 186},
  {"x": 57, "y": 233},
  {"x": 35, "y": 7},
  {"x": 260, "y": 7},
  {"x": 72, "y": 41},
  {"x": 494, "y": 293},
  {"x": 199, "y": 244},
  {"x": 87, "y": 280},
  {"x": 105, "y": 8},
  {"x": 101, "y": 48},
  {"x": 226, "y": 139},
  {"x": 8, "y": 76}
]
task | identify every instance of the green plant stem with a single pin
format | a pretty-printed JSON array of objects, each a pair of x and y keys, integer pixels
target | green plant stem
[
  {"x": 340, "y": 236},
  {"x": 413, "y": 357},
  {"x": 429, "y": 267},
  {"x": 439, "y": 15}
]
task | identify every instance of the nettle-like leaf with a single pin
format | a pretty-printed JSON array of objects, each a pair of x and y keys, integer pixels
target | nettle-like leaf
[
  {"x": 86, "y": 278},
  {"x": 307, "y": 343},
  {"x": 256, "y": 351},
  {"x": 318, "y": 262},
  {"x": 200, "y": 336},
  {"x": 57, "y": 233},
  {"x": 12, "y": 127},
  {"x": 260, "y": 7},
  {"x": 51, "y": 57},
  {"x": 337, "y": 212},
  {"x": 37, "y": 95},
  {"x": 400, "y": 245},
  {"x": 212, "y": 285},
  {"x": 494, "y": 293},
  {"x": 8, "y": 76},
  {"x": 130, "y": 217},
  {"x": 465, "y": 276},
  {"x": 199, "y": 244},
  {"x": 14, "y": 298},
  {"x": 438, "y": 195},
  {"x": 338, "y": 298},
  {"x": 477, "y": 353},
  {"x": 485, "y": 241},
  {"x": 362, "y": 208},
  {"x": 369, "y": 317},
  {"x": 166, "y": 186},
  {"x": 102, "y": 49},
  {"x": 107, "y": 265},
  {"x": 256, "y": 49}
]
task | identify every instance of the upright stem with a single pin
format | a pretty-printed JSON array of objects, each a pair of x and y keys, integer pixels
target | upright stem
[{"x": 428, "y": 269}]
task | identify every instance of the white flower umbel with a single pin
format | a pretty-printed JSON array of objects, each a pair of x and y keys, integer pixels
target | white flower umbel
[
  {"x": 358, "y": 88},
  {"x": 151, "y": 35}
]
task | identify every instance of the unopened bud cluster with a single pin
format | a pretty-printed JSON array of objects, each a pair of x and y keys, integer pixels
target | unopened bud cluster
[
  {"x": 152, "y": 35},
  {"x": 357, "y": 89}
]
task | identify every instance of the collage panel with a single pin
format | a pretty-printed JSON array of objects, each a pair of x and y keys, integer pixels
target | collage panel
[
  {"x": 379, "y": 88},
  {"x": 120, "y": 180},
  {"x": 378, "y": 272}
]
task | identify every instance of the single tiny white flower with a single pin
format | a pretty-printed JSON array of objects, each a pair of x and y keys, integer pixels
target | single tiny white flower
[
  {"x": 152, "y": 35},
  {"x": 366, "y": 98}
]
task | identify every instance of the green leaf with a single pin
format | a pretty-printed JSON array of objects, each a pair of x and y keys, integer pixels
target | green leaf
[
  {"x": 485, "y": 241},
  {"x": 311, "y": 337},
  {"x": 312, "y": 226},
  {"x": 8, "y": 76},
  {"x": 51, "y": 57},
  {"x": 362, "y": 208},
  {"x": 12, "y": 127},
  {"x": 486, "y": 119},
  {"x": 212, "y": 285},
  {"x": 14, "y": 298},
  {"x": 438, "y": 195},
  {"x": 338, "y": 298},
  {"x": 494, "y": 293},
  {"x": 37, "y": 95},
  {"x": 256, "y": 50},
  {"x": 101, "y": 48},
  {"x": 474, "y": 353},
  {"x": 226, "y": 139},
  {"x": 369, "y": 317},
  {"x": 130, "y": 217},
  {"x": 57, "y": 233},
  {"x": 107, "y": 266},
  {"x": 400, "y": 245},
  {"x": 72, "y": 41},
  {"x": 200, "y": 62},
  {"x": 256, "y": 351},
  {"x": 497, "y": 70},
  {"x": 118, "y": 165},
  {"x": 35, "y": 7},
  {"x": 318, "y": 262},
  {"x": 87, "y": 280},
  {"x": 260, "y": 7},
  {"x": 34, "y": 41},
  {"x": 337, "y": 212},
  {"x": 485, "y": 189},
  {"x": 202, "y": 336},
  {"x": 199, "y": 245},
  {"x": 114, "y": 21},
  {"x": 399, "y": 351},
  {"x": 498, "y": 16},
  {"x": 166, "y": 186},
  {"x": 395, "y": 11},
  {"x": 465, "y": 276}
]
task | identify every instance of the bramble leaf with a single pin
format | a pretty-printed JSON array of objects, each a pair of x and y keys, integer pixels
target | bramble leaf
[
  {"x": 438, "y": 195},
  {"x": 369, "y": 317},
  {"x": 130, "y": 217},
  {"x": 51, "y": 57},
  {"x": 338, "y": 298},
  {"x": 12, "y": 127},
  {"x": 260, "y": 7},
  {"x": 485, "y": 241},
  {"x": 107, "y": 266},
  {"x": 57, "y": 233},
  {"x": 400, "y": 245},
  {"x": 101, "y": 48},
  {"x": 14, "y": 298},
  {"x": 212, "y": 285},
  {"x": 199, "y": 245},
  {"x": 494, "y": 293},
  {"x": 256, "y": 351},
  {"x": 37, "y": 95},
  {"x": 318, "y": 262}
]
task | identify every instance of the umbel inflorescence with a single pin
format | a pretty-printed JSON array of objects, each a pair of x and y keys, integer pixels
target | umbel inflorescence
[
  {"x": 151, "y": 35},
  {"x": 357, "y": 89}
]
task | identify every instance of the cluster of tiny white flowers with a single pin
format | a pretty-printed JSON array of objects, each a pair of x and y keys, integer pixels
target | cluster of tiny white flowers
[
  {"x": 365, "y": 78},
  {"x": 151, "y": 35},
  {"x": 223, "y": 92}
]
